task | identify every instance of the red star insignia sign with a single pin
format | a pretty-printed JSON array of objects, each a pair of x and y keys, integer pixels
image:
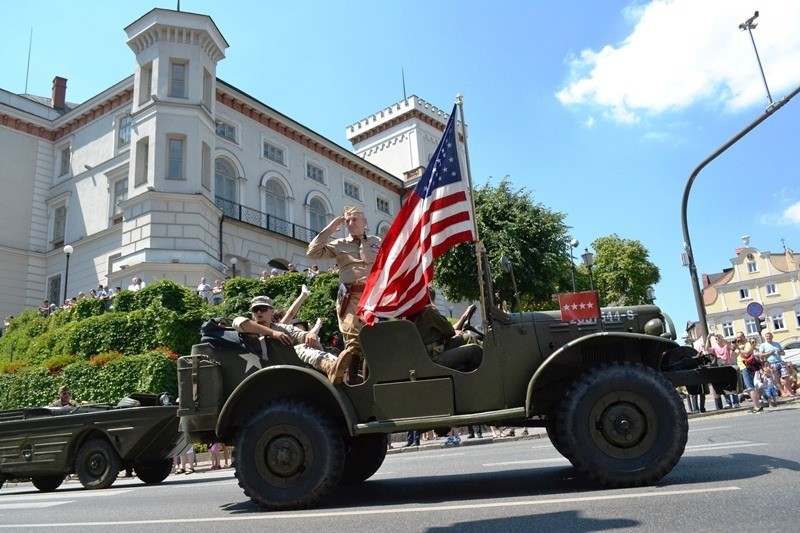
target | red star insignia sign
[{"x": 579, "y": 306}]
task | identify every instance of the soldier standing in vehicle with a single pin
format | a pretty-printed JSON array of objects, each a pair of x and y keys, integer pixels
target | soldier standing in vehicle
[
  {"x": 64, "y": 398},
  {"x": 355, "y": 255}
]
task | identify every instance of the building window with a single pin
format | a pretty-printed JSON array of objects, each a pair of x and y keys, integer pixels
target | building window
[
  {"x": 177, "y": 79},
  {"x": 124, "y": 133},
  {"x": 797, "y": 318},
  {"x": 273, "y": 153},
  {"x": 65, "y": 160},
  {"x": 353, "y": 191},
  {"x": 54, "y": 290},
  {"x": 59, "y": 226},
  {"x": 752, "y": 267},
  {"x": 275, "y": 203},
  {"x": 750, "y": 326},
  {"x": 727, "y": 329},
  {"x": 383, "y": 206},
  {"x": 744, "y": 294},
  {"x": 208, "y": 92},
  {"x": 205, "y": 170},
  {"x": 226, "y": 130},
  {"x": 145, "y": 82},
  {"x": 175, "y": 164},
  {"x": 118, "y": 195},
  {"x": 777, "y": 322},
  {"x": 224, "y": 180},
  {"x": 142, "y": 161},
  {"x": 315, "y": 173},
  {"x": 771, "y": 289},
  {"x": 318, "y": 216}
]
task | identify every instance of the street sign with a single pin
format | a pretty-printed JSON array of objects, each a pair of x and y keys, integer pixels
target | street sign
[{"x": 755, "y": 309}]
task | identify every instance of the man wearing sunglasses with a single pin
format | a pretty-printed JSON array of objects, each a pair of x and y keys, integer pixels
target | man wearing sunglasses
[{"x": 262, "y": 323}]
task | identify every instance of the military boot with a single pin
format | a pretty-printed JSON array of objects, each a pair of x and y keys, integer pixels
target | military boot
[{"x": 339, "y": 367}]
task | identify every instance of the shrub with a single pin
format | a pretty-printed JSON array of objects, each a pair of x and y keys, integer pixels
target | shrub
[
  {"x": 56, "y": 363},
  {"x": 103, "y": 358}
]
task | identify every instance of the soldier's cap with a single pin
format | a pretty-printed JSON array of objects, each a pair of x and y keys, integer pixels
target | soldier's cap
[
  {"x": 353, "y": 210},
  {"x": 260, "y": 301},
  {"x": 64, "y": 388}
]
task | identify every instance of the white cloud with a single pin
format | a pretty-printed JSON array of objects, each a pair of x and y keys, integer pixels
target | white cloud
[
  {"x": 681, "y": 52},
  {"x": 792, "y": 215}
]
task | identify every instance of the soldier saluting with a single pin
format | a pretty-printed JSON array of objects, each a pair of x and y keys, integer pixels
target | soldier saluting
[{"x": 355, "y": 255}]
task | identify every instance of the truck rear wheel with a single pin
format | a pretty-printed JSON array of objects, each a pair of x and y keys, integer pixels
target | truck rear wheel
[
  {"x": 289, "y": 456},
  {"x": 622, "y": 425},
  {"x": 152, "y": 473},
  {"x": 363, "y": 457},
  {"x": 47, "y": 483},
  {"x": 97, "y": 464}
]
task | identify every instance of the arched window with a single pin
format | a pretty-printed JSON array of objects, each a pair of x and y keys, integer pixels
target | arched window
[
  {"x": 225, "y": 180},
  {"x": 317, "y": 214},
  {"x": 276, "y": 199}
]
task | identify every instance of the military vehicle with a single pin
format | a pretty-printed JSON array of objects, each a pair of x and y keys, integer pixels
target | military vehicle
[
  {"x": 604, "y": 389},
  {"x": 92, "y": 441}
]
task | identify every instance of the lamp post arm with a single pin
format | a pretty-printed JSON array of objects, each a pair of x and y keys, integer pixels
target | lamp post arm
[{"x": 687, "y": 243}]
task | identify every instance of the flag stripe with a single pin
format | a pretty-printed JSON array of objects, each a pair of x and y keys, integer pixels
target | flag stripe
[{"x": 436, "y": 216}]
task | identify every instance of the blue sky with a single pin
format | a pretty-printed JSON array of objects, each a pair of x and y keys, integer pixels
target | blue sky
[{"x": 601, "y": 110}]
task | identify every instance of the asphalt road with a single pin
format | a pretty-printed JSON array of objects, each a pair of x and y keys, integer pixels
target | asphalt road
[{"x": 739, "y": 473}]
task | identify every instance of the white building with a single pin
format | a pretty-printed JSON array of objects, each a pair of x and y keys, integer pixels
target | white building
[{"x": 173, "y": 173}]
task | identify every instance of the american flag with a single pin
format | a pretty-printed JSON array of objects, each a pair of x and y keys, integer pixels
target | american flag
[{"x": 436, "y": 216}]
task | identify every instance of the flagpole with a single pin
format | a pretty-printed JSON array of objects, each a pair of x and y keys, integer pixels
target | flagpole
[{"x": 478, "y": 244}]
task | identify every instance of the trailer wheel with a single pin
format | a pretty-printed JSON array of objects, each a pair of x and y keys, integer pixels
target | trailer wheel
[
  {"x": 363, "y": 457},
  {"x": 154, "y": 472},
  {"x": 289, "y": 456},
  {"x": 97, "y": 464},
  {"x": 47, "y": 483},
  {"x": 622, "y": 425}
]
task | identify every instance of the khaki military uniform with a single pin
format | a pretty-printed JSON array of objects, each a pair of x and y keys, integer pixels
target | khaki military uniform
[{"x": 355, "y": 257}]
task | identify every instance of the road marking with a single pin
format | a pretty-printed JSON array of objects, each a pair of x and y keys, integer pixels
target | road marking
[
  {"x": 725, "y": 446},
  {"x": 367, "y": 512},
  {"x": 31, "y": 505},
  {"x": 39, "y": 496},
  {"x": 709, "y": 429},
  {"x": 529, "y": 462}
]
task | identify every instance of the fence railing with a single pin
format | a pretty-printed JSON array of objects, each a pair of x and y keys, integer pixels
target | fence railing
[{"x": 265, "y": 221}]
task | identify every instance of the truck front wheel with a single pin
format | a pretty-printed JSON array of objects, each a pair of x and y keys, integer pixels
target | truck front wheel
[
  {"x": 288, "y": 456},
  {"x": 97, "y": 464},
  {"x": 622, "y": 425}
]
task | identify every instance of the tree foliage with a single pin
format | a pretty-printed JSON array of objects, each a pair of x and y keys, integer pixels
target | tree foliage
[
  {"x": 532, "y": 236},
  {"x": 622, "y": 271}
]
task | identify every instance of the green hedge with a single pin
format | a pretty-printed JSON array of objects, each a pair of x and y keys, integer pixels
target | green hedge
[{"x": 137, "y": 342}]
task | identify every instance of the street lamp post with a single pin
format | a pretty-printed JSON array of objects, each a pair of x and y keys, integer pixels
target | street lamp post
[
  {"x": 234, "y": 261},
  {"x": 588, "y": 260},
  {"x": 749, "y": 25},
  {"x": 572, "y": 245},
  {"x": 67, "y": 252},
  {"x": 651, "y": 295}
]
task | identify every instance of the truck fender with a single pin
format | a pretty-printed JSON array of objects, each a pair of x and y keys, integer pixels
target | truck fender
[
  {"x": 283, "y": 382},
  {"x": 553, "y": 377}
]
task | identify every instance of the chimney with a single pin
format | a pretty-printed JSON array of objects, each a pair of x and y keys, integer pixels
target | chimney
[{"x": 59, "y": 93}]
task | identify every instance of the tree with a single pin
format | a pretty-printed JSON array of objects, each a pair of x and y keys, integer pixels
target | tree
[
  {"x": 532, "y": 236},
  {"x": 622, "y": 271}
]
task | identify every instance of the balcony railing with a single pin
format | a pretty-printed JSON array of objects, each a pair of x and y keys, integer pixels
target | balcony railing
[{"x": 264, "y": 221}]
